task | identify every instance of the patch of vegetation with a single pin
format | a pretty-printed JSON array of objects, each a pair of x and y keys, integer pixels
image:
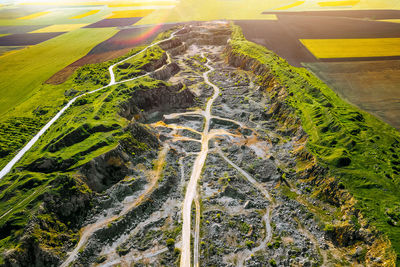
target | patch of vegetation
[
  {"x": 249, "y": 244},
  {"x": 96, "y": 73},
  {"x": 174, "y": 232},
  {"x": 140, "y": 64},
  {"x": 287, "y": 192},
  {"x": 170, "y": 242},
  {"x": 197, "y": 63},
  {"x": 200, "y": 59},
  {"x": 354, "y": 145},
  {"x": 393, "y": 214},
  {"x": 15, "y": 132},
  {"x": 244, "y": 228}
]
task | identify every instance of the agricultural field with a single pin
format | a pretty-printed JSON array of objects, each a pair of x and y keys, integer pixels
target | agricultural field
[
  {"x": 131, "y": 13},
  {"x": 371, "y": 85},
  {"x": 25, "y": 71},
  {"x": 59, "y": 28},
  {"x": 316, "y": 39},
  {"x": 353, "y": 48}
]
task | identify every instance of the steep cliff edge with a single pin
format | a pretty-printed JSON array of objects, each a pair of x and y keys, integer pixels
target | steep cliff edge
[{"x": 346, "y": 156}]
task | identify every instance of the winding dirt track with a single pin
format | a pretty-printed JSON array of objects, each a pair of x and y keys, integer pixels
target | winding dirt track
[
  {"x": 29, "y": 145},
  {"x": 90, "y": 229},
  {"x": 196, "y": 172},
  {"x": 267, "y": 215},
  {"x": 191, "y": 190},
  {"x": 196, "y": 251}
]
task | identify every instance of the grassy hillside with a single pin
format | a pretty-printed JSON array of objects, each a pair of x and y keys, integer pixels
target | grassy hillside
[
  {"x": 89, "y": 128},
  {"x": 361, "y": 151},
  {"x": 26, "y": 120},
  {"x": 23, "y": 121}
]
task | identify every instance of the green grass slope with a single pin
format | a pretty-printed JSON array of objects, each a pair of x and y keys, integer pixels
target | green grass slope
[
  {"x": 89, "y": 128},
  {"x": 359, "y": 149},
  {"x": 21, "y": 122}
]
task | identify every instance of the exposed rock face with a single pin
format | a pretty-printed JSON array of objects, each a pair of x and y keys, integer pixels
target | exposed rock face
[
  {"x": 108, "y": 169},
  {"x": 66, "y": 204},
  {"x": 195, "y": 35},
  {"x": 69, "y": 205},
  {"x": 166, "y": 45},
  {"x": 178, "y": 50},
  {"x": 201, "y": 36},
  {"x": 34, "y": 255},
  {"x": 278, "y": 110},
  {"x": 161, "y": 99},
  {"x": 246, "y": 63},
  {"x": 48, "y": 165},
  {"x": 155, "y": 64},
  {"x": 165, "y": 72},
  {"x": 152, "y": 203}
]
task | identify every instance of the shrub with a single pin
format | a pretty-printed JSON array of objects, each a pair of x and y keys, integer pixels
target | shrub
[{"x": 249, "y": 244}]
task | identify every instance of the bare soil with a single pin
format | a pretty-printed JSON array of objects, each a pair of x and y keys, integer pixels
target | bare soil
[
  {"x": 372, "y": 85},
  {"x": 282, "y": 36},
  {"x": 21, "y": 39}
]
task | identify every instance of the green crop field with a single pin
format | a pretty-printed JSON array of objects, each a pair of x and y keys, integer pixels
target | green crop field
[
  {"x": 57, "y": 17},
  {"x": 23, "y": 73}
]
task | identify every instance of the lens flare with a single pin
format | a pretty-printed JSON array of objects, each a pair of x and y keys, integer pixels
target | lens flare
[{"x": 143, "y": 34}]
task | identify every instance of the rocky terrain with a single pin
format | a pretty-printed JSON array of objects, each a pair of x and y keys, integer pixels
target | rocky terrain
[
  {"x": 245, "y": 219},
  {"x": 216, "y": 134}
]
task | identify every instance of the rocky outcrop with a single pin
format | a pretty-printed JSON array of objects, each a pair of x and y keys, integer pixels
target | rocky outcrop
[
  {"x": 168, "y": 44},
  {"x": 30, "y": 254},
  {"x": 155, "y": 64},
  {"x": 165, "y": 72},
  {"x": 161, "y": 99},
  {"x": 50, "y": 164},
  {"x": 200, "y": 36},
  {"x": 178, "y": 50},
  {"x": 242, "y": 61},
  {"x": 107, "y": 169},
  {"x": 279, "y": 110},
  {"x": 70, "y": 200},
  {"x": 148, "y": 205},
  {"x": 47, "y": 236}
]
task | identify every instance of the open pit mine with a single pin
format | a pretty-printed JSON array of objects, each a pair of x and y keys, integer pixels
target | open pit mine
[{"x": 197, "y": 157}]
